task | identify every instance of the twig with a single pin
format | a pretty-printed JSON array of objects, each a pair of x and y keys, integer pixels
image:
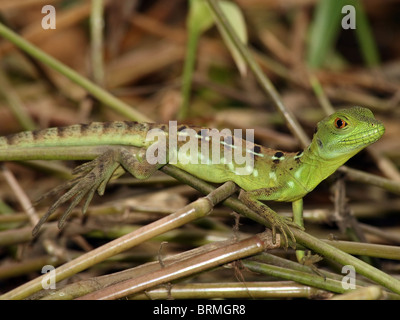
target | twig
[
  {"x": 20, "y": 194},
  {"x": 187, "y": 267}
]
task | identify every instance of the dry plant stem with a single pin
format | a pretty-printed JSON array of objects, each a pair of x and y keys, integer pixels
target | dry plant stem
[
  {"x": 369, "y": 293},
  {"x": 65, "y": 19},
  {"x": 388, "y": 168},
  {"x": 363, "y": 177},
  {"x": 195, "y": 210},
  {"x": 13, "y": 237},
  {"x": 83, "y": 287},
  {"x": 187, "y": 267},
  {"x": 104, "y": 96},
  {"x": 10, "y": 4},
  {"x": 320, "y": 94},
  {"x": 96, "y": 32},
  {"x": 344, "y": 217},
  {"x": 384, "y": 234},
  {"x": 234, "y": 290},
  {"x": 15, "y": 104},
  {"x": 20, "y": 194},
  {"x": 265, "y": 83},
  {"x": 9, "y": 270}
]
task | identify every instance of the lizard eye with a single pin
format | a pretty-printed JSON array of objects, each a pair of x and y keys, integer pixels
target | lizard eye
[{"x": 340, "y": 124}]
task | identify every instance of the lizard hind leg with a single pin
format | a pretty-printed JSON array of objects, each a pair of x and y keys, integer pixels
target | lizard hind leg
[{"x": 93, "y": 176}]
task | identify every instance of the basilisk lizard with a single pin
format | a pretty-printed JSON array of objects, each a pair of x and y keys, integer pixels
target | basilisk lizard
[{"x": 275, "y": 175}]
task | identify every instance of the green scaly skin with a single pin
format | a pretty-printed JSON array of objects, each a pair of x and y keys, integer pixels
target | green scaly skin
[{"x": 276, "y": 175}]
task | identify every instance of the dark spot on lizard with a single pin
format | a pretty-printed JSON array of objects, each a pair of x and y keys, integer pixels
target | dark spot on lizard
[
  {"x": 61, "y": 131},
  {"x": 11, "y": 139},
  {"x": 108, "y": 125},
  {"x": 320, "y": 144},
  {"x": 83, "y": 127},
  {"x": 276, "y": 161},
  {"x": 257, "y": 149},
  {"x": 279, "y": 154},
  {"x": 37, "y": 134},
  {"x": 144, "y": 126},
  {"x": 298, "y": 156}
]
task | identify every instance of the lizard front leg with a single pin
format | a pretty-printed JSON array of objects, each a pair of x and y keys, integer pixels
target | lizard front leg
[
  {"x": 251, "y": 199},
  {"x": 94, "y": 175}
]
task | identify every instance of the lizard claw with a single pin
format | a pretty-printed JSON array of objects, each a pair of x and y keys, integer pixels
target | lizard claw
[
  {"x": 283, "y": 224},
  {"x": 92, "y": 176}
]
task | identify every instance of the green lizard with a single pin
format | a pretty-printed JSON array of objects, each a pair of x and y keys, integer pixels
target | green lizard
[{"x": 273, "y": 175}]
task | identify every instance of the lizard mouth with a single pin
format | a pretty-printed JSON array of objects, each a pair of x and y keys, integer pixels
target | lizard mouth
[{"x": 365, "y": 138}]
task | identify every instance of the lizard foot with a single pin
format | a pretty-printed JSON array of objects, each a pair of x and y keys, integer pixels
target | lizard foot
[
  {"x": 283, "y": 224},
  {"x": 91, "y": 176}
]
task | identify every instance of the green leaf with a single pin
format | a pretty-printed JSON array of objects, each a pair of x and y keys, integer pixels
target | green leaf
[
  {"x": 200, "y": 18},
  {"x": 326, "y": 27},
  {"x": 236, "y": 20},
  {"x": 324, "y": 31}
]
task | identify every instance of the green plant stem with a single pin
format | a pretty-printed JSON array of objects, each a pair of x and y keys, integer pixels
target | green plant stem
[
  {"x": 187, "y": 75},
  {"x": 368, "y": 249},
  {"x": 268, "y": 258},
  {"x": 365, "y": 36},
  {"x": 265, "y": 83},
  {"x": 104, "y": 96},
  {"x": 343, "y": 258},
  {"x": 364, "y": 177},
  {"x": 298, "y": 276}
]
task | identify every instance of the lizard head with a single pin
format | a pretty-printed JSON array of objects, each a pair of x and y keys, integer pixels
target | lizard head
[{"x": 346, "y": 132}]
